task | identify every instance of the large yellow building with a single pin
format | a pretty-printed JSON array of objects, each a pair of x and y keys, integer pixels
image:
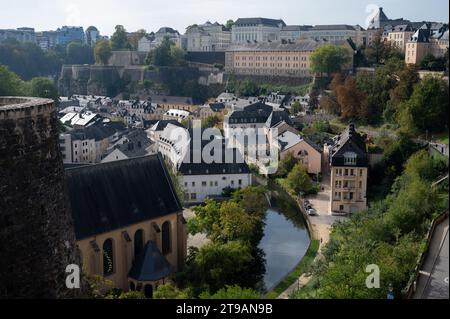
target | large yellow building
[
  {"x": 426, "y": 41},
  {"x": 128, "y": 222},
  {"x": 275, "y": 59}
]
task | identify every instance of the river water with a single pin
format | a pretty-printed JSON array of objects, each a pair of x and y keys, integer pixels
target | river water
[{"x": 286, "y": 237}]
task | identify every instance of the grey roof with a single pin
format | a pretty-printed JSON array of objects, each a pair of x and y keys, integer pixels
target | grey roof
[
  {"x": 97, "y": 131},
  {"x": 277, "y": 117},
  {"x": 296, "y": 28},
  {"x": 134, "y": 144},
  {"x": 162, "y": 99},
  {"x": 167, "y": 30},
  {"x": 189, "y": 167},
  {"x": 257, "y": 111},
  {"x": 302, "y": 45},
  {"x": 263, "y": 21},
  {"x": 161, "y": 124},
  {"x": 150, "y": 264},
  {"x": 333, "y": 27},
  {"x": 349, "y": 141},
  {"x": 110, "y": 196}
]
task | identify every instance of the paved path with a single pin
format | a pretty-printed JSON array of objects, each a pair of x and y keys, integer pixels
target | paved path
[
  {"x": 433, "y": 277},
  {"x": 321, "y": 228}
]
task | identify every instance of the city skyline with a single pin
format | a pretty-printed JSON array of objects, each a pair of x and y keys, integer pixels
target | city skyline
[{"x": 135, "y": 14}]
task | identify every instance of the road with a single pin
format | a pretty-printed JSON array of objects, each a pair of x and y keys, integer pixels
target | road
[{"x": 433, "y": 278}]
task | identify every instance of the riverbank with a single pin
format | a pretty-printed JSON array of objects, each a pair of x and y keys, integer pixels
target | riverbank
[{"x": 319, "y": 228}]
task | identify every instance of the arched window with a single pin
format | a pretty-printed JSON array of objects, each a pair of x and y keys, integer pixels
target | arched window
[
  {"x": 166, "y": 238},
  {"x": 108, "y": 257},
  {"x": 148, "y": 291},
  {"x": 138, "y": 242}
]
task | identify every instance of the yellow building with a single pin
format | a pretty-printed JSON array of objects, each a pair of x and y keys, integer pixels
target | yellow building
[
  {"x": 426, "y": 41},
  {"x": 274, "y": 59},
  {"x": 128, "y": 222},
  {"x": 349, "y": 168},
  {"x": 399, "y": 36}
]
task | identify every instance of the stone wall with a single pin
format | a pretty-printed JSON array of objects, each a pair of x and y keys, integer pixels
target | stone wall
[{"x": 37, "y": 238}]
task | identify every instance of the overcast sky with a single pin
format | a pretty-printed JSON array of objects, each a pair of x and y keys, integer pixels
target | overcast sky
[{"x": 153, "y": 14}]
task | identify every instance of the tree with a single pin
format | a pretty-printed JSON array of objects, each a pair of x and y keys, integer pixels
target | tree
[
  {"x": 299, "y": 180},
  {"x": 119, "y": 40},
  {"x": 296, "y": 108},
  {"x": 43, "y": 87},
  {"x": 427, "y": 109},
  {"x": 432, "y": 63},
  {"x": 314, "y": 98},
  {"x": 10, "y": 83},
  {"x": 102, "y": 52},
  {"x": 78, "y": 53},
  {"x": 329, "y": 104},
  {"x": 229, "y": 24},
  {"x": 169, "y": 291},
  {"x": 232, "y": 292},
  {"x": 352, "y": 101},
  {"x": 135, "y": 37},
  {"x": 286, "y": 164},
  {"x": 210, "y": 121},
  {"x": 166, "y": 54},
  {"x": 329, "y": 59},
  {"x": 380, "y": 51}
]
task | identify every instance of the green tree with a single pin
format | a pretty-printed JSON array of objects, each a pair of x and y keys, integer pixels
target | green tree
[
  {"x": 329, "y": 59},
  {"x": 229, "y": 24},
  {"x": 10, "y": 83},
  {"x": 169, "y": 291},
  {"x": 299, "y": 180},
  {"x": 296, "y": 108},
  {"x": 119, "y": 40},
  {"x": 43, "y": 87},
  {"x": 427, "y": 109},
  {"x": 210, "y": 121},
  {"x": 432, "y": 63},
  {"x": 78, "y": 53},
  {"x": 232, "y": 292},
  {"x": 236, "y": 223},
  {"x": 380, "y": 51},
  {"x": 102, "y": 52},
  {"x": 286, "y": 164}
]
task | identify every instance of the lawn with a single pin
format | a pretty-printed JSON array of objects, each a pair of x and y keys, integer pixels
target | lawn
[{"x": 293, "y": 276}]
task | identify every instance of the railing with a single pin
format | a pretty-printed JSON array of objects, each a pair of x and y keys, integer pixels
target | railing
[{"x": 410, "y": 288}]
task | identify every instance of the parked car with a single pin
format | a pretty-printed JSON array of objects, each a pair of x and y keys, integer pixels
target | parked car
[
  {"x": 312, "y": 212},
  {"x": 308, "y": 207}
]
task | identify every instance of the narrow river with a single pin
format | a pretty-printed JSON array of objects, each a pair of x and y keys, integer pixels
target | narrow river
[{"x": 286, "y": 237}]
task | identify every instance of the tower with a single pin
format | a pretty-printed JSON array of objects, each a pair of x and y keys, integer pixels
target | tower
[{"x": 37, "y": 239}]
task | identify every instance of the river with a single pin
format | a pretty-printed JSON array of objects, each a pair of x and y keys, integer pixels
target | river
[{"x": 285, "y": 239}]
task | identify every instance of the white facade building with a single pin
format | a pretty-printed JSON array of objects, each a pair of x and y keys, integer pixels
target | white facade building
[
  {"x": 256, "y": 30},
  {"x": 208, "y": 37}
]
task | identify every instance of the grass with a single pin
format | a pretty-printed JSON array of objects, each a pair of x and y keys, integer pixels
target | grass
[
  {"x": 293, "y": 276},
  {"x": 442, "y": 138}
]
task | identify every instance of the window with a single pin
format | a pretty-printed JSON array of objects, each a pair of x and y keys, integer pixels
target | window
[
  {"x": 240, "y": 182},
  {"x": 166, "y": 238},
  {"x": 193, "y": 196},
  {"x": 138, "y": 242},
  {"x": 360, "y": 172},
  {"x": 204, "y": 184},
  {"x": 350, "y": 158},
  {"x": 108, "y": 257},
  {"x": 148, "y": 291}
]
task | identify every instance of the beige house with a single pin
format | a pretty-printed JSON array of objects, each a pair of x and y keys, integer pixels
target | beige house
[
  {"x": 349, "y": 167},
  {"x": 128, "y": 222},
  {"x": 399, "y": 35},
  {"x": 274, "y": 59},
  {"x": 426, "y": 41}
]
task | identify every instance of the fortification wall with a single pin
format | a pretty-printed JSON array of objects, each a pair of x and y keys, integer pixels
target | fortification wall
[{"x": 37, "y": 239}]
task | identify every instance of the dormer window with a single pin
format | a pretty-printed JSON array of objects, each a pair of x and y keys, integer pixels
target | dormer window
[{"x": 350, "y": 158}]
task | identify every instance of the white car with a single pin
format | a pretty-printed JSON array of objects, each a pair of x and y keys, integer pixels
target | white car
[{"x": 312, "y": 212}]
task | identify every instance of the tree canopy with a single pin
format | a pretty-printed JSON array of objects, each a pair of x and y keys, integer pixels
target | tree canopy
[
  {"x": 329, "y": 59},
  {"x": 119, "y": 40},
  {"x": 102, "y": 52}
]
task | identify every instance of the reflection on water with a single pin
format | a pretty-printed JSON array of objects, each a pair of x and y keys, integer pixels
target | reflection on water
[{"x": 285, "y": 238}]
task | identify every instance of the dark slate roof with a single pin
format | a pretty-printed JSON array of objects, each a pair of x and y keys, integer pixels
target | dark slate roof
[
  {"x": 163, "y": 99},
  {"x": 109, "y": 196},
  {"x": 297, "y": 28},
  {"x": 97, "y": 131},
  {"x": 238, "y": 166},
  {"x": 257, "y": 111},
  {"x": 263, "y": 21},
  {"x": 150, "y": 264},
  {"x": 167, "y": 30},
  {"x": 135, "y": 145},
  {"x": 349, "y": 141},
  {"x": 278, "y": 116},
  {"x": 421, "y": 35}
]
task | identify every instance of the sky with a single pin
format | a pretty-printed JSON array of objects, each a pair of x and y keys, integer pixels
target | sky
[{"x": 178, "y": 14}]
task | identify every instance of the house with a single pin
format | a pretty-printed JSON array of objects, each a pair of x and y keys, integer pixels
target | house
[
  {"x": 154, "y": 132},
  {"x": 134, "y": 144},
  {"x": 146, "y": 43},
  {"x": 178, "y": 115},
  {"x": 292, "y": 33},
  {"x": 428, "y": 39},
  {"x": 79, "y": 119},
  {"x": 399, "y": 35},
  {"x": 128, "y": 222},
  {"x": 307, "y": 152},
  {"x": 348, "y": 160}
]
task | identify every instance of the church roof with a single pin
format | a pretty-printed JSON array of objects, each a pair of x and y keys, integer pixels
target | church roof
[{"x": 110, "y": 196}]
